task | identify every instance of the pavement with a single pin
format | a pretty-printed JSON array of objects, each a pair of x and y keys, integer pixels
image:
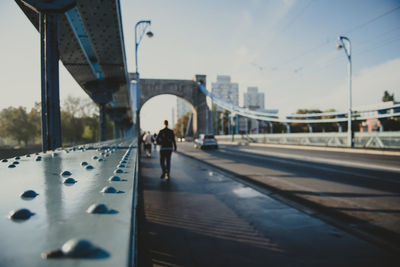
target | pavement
[
  {"x": 361, "y": 192},
  {"x": 204, "y": 216}
]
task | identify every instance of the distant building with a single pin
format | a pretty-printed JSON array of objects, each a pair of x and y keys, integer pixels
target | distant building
[
  {"x": 253, "y": 100},
  {"x": 225, "y": 89},
  {"x": 182, "y": 107}
]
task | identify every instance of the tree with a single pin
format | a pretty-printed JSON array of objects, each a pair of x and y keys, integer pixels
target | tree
[
  {"x": 18, "y": 124},
  {"x": 181, "y": 125},
  {"x": 387, "y": 97}
]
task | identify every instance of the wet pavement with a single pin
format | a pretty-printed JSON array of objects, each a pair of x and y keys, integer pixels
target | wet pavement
[{"x": 203, "y": 217}]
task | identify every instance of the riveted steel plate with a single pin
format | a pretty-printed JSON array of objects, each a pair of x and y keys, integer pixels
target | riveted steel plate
[
  {"x": 102, "y": 23},
  {"x": 60, "y": 210}
]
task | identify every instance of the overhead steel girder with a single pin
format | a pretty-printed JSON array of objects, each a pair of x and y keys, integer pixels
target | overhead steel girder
[
  {"x": 50, "y": 6},
  {"x": 91, "y": 44}
]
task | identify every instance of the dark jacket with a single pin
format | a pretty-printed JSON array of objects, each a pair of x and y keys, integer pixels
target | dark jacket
[{"x": 166, "y": 139}]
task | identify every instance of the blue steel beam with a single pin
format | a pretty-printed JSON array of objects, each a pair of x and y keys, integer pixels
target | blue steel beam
[
  {"x": 51, "y": 122},
  {"x": 75, "y": 21}
]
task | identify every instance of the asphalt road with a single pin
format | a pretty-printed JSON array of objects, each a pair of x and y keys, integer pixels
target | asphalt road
[
  {"x": 204, "y": 216},
  {"x": 360, "y": 191}
]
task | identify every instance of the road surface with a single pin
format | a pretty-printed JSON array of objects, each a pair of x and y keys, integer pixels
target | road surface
[
  {"x": 205, "y": 217},
  {"x": 362, "y": 191}
]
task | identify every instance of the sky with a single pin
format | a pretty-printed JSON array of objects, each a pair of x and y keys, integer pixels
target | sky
[{"x": 287, "y": 48}]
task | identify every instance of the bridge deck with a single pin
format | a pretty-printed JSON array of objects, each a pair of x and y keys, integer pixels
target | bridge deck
[
  {"x": 60, "y": 209},
  {"x": 203, "y": 217}
]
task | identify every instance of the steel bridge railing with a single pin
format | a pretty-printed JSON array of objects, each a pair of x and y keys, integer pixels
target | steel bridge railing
[
  {"x": 332, "y": 139},
  {"x": 358, "y": 114}
]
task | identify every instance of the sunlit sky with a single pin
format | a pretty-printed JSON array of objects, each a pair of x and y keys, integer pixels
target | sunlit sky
[{"x": 286, "y": 48}]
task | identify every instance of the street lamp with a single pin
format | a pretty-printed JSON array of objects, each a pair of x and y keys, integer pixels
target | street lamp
[
  {"x": 344, "y": 43},
  {"x": 140, "y": 26}
]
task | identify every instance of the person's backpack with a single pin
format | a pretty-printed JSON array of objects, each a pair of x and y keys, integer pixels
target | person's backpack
[{"x": 165, "y": 139}]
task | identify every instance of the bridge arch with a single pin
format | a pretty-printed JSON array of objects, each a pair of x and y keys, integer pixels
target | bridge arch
[{"x": 186, "y": 89}]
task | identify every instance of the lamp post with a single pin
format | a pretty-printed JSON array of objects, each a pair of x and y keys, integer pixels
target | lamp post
[
  {"x": 344, "y": 43},
  {"x": 140, "y": 26}
]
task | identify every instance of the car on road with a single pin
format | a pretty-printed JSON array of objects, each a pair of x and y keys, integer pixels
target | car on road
[{"x": 206, "y": 141}]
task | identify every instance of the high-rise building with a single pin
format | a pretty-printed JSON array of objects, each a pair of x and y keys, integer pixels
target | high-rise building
[
  {"x": 226, "y": 89},
  {"x": 253, "y": 100},
  {"x": 182, "y": 107}
]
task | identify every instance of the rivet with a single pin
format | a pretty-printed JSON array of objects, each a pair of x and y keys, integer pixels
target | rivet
[
  {"x": 38, "y": 158},
  {"x": 29, "y": 194},
  {"x": 4, "y": 160},
  {"x": 21, "y": 214},
  {"x": 97, "y": 209},
  {"x": 55, "y": 155},
  {"x": 28, "y": 155},
  {"x": 69, "y": 180},
  {"x": 123, "y": 162},
  {"x": 100, "y": 160},
  {"x": 66, "y": 173},
  {"x": 17, "y": 157},
  {"x": 121, "y": 166},
  {"x": 15, "y": 162},
  {"x": 115, "y": 178},
  {"x": 84, "y": 163},
  {"x": 118, "y": 171},
  {"x": 75, "y": 248},
  {"x": 109, "y": 190},
  {"x": 11, "y": 166},
  {"x": 95, "y": 157},
  {"x": 89, "y": 167}
]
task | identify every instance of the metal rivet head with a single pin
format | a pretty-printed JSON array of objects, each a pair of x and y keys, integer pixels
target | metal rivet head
[
  {"x": 11, "y": 166},
  {"x": 121, "y": 166},
  {"x": 15, "y": 162},
  {"x": 118, "y": 171},
  {"x": 115, "y": 179},
  {"x": 17, "y": 158},
  {"x": 97, "y": 209},
  {"x": 84, "y": 163},
  {"x": 95, "y": 157},
  {"x": 38, "y": 158},
  {"x": 89, "y": 167},
  {"x": 21, "y": 214},
  {"x": 29, "y": 194},
  {"x": 66, "y": 173},
  {"x": 109, "y": 190},
  {"x": 4, "y": 160},
  {"x": 75, "y": 248},
  {"x": 69, "y": 180},
  {"x": 100, "y": 160}
]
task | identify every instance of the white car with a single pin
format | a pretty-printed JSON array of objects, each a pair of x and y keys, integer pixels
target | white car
[{"x": 206, "y": 141}]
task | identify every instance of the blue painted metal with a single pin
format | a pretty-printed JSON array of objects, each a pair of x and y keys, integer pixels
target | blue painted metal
[
  {"x": 51, "y": 123},
  {"x": 237, "y": 124},
  {"x": 50, "y": 6},
  {"x": 75, "y": 21},
  {"x": 102, "y": 122},
  {"x": 60, "y": 212}
]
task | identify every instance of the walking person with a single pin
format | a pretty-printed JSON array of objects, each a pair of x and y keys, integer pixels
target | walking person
[
  {"x": 166, "y": 139},
  {"x": 147, "y": 139}
]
